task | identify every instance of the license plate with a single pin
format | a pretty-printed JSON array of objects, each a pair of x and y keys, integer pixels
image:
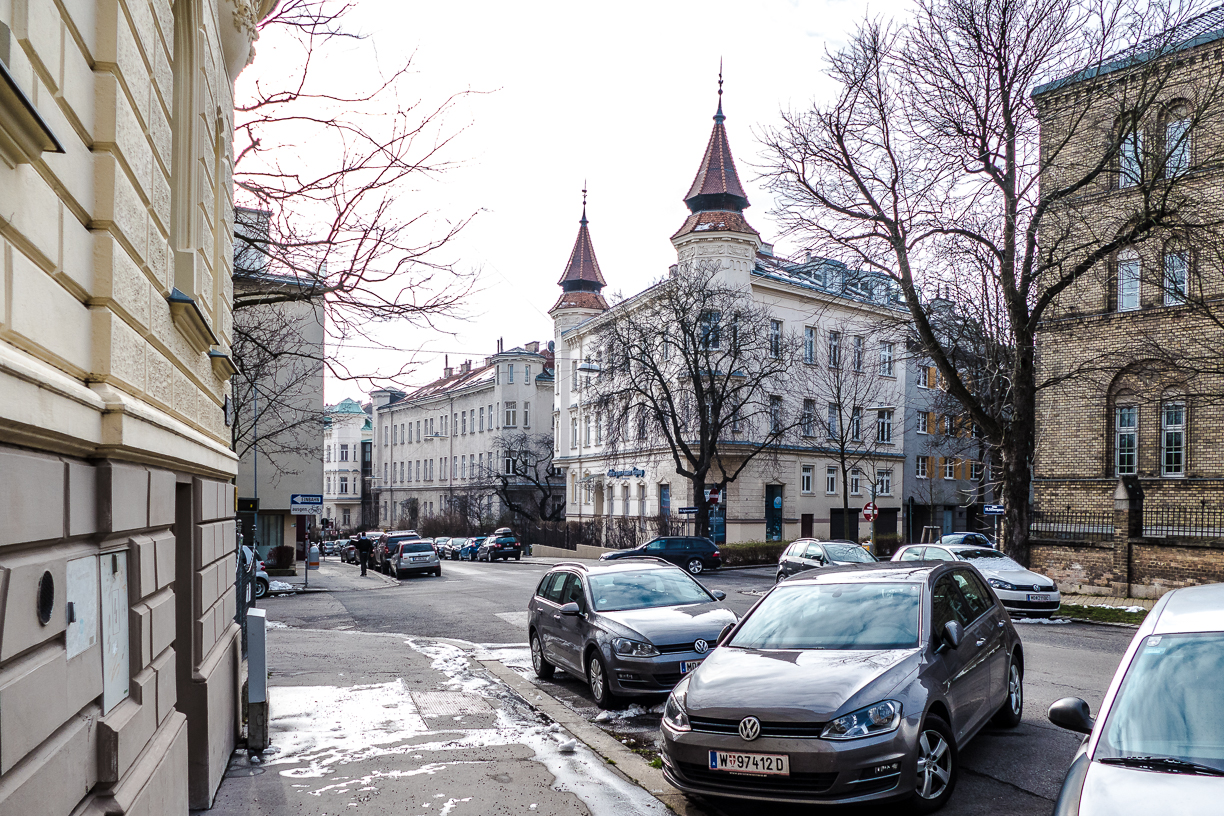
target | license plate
[
  {"x": 1039, "y": 597},
  {"x": 764, "y": 764},
  {"x": 688, "y": 665},
  {"x": 420, "y": 558}
]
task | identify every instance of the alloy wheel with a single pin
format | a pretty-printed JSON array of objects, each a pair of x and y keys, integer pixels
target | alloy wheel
[
  {"x": 1015, "y": 690},
  {"x": 695, "y": 566},
  {"x": 596, "y": 678},
  {"x": 934, "y": 764},
  {"x": 536, "y": 657}
]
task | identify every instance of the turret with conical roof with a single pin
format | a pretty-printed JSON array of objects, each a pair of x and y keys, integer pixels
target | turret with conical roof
[{"x": 582, "y": 282}]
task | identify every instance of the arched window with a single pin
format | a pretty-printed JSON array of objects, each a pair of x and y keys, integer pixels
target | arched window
[
  {"x": 1128, "y": 280},
  {"x": 1177, "y": 140},
  {"x": 1176, "y": 273},
  {"x": 1130, "y": 152},
  {"x": 1126, "y": 439}
]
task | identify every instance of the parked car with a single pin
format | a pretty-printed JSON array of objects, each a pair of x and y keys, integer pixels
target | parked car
[
  {"x": 968, "y": 539},
  {"x": 1157, "y": 743},
  {"x": 691, "y": 552},
  {"x": 467, "y": 551},
  {"x": 1022, "y": 591},
  {"x": 258, "y": 574},
  {"x": 503, "y": 544},
  {"x": 631, "y": 628},
  {"x": 348, "y": 552},
  {"x": 442, "y": 547},
  {"x": 858, "y": 683},
  {"x": 414, "y": 557},
  {"x": 811, "y": 553},
  {"x": 385, "y": 544}
]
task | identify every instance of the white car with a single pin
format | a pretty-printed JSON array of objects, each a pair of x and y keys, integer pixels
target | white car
[{"x": 1022, "y": 591}]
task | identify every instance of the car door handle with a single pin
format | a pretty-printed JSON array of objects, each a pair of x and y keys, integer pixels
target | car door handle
[
  {"x": 981, "y": 642},
  {"x": 556, "y": 617},
  {"x": 1002, "y": 624}
]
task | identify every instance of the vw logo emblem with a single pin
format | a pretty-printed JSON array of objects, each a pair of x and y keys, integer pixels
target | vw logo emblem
[
  {"x": 701, "y": 647},
  {"x": 749, "y": 728},
  {"x": 1036, "y": 586}
]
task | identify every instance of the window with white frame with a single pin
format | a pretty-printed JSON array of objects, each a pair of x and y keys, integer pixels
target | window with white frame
[
  {"x": 920, "y": 467},
  {"x": 809, "y": 417},
  {"x": 924, "y": 376},
  {"x": 510, "y": 373},
  {"x": 833, "y": 421},
  {"x": 856, "y": 356},
  {"x": 509, "y": 463},
  {"x": 1126, "y": 439},
  {"x": 511, "y": 408},
  {"x": 949, "y": 468},
  {"x": 573, "y": 433},
  {"x": 573, "y": 491},
  {"x": 1177, "y": 146},
  {"x": 527, "y": 375},
  {"x": 482, "y": 415},
  {"x": 401, "y": 473},
  {"x": 599, "y": 429},
  {"x": 775, "y": 413},
  {"x": 586, "y": 437},
  {"x": 775, "y": 338},
  {"x": 834, "y": 349},
  {"x": 884, "y": 426},
  {"x": 1128, "y": 280},
  {"x": 491, "y": 420},
  {"x": 809, "y": 344},
  {"x": 886, "y": 359},
  {"x": 975, "y": 470},
  {"x": 856, "y": 423},
  {"x": 884, "y": 482},
  {"x": 418, "y": 431},
  {"x": 805, "y": 479},
  {"x": 831, "y": 480},
  {"x": 711, "y": 330},
  {"x": 856, "y": 482},
  {"x": 418, "y": 470},
  {"x": 1176, "y": 276},
  {"x": 526, "y": 414},
  {"x": 1173, "y": 439},
  {"x": 384, "y": 471}
]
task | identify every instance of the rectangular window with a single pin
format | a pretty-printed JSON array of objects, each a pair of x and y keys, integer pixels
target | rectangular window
[
  {"x": 511, "y": 414},
  {"x": 463, "y": 422},
  {"x": 586, "y": 439},
  {"x": 834, "y": 349},
  {"x": 418, "y": 430},
  {"x": 573, "y": 374},
  {"x": 599, "y": 430},
  {"x": 1173, "y": 439},
  {"x": 401, "y": 473},
  {"x": 509, "y": 463},
  {"x": 454, "y": 467},
  {"x": 886, "y": 359},
  {"x": 884, "y": 423},
  {"x": 805, "y": 480},
  {"x": 1128, "y": 282},
  {"x": 833, "y": 421},
  {"x": 526, "y": 414},
  {"x": 527, "y": 375},
  {"x": 403, "y": 437},
  {"x": 975, "y": 471},
  {"x": 384, "y": 471},
  {"x": 809, "y": 417},
  {"x": 856, "y": 357},
  {"x": 856, "y": 482},
  {"x": 510, "y": 373},
  {"x": 775, "y": 338},
  {"x": 1176, "y": 277},
  {"x": 344, "y": 453},
  {"x": 949, "y": 468},
  {"x": 1177, "y": 147},
  {"x": 856, "y": 424},
  {"x": 418, "y": 470},
  {"x": 809, "y": 344},
  {"x": 711, "y": 330},
  {"x": 490, "y": 416},
  {"x": 831, "y": 481},
  {"x": 775, "y": 413},
  {"x": 1126, "y": 434},
  {"x": 482, "y": 418},
  {"x": 924, "y": 376},
  {"x": 884, "y": 482},
  {"x": 1130, "y": 160},
  {"x": 920, "y": 467},
  {"x": 573, "y": 433}
]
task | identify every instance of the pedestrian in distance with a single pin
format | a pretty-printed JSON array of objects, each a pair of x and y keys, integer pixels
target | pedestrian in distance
[{"x": 364, "y": 548}]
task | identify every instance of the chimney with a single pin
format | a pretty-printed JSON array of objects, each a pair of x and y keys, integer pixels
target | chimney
[
  {"x": 488, "y": 362},
  {"x": 465, "y": 366},
  {"x": 533, "y": 347},
  {"x": 447, "y": 371}
]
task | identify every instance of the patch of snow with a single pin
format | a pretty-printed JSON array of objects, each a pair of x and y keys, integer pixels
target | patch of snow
[
  {"x": 634, "y": 710},
  {"x": 272, "y": 624},
  {"x": 280, "y": 586},
  {"x": 1050, "y": 621}
]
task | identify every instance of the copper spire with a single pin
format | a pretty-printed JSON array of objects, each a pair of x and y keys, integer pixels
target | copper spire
[{"x": 717, "y": 185}]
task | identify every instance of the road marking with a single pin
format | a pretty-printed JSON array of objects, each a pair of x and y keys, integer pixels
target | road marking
[{"x": 516, "y": 619}]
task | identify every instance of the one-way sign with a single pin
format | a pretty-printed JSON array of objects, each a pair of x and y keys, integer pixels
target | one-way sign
[{"x": 306, "y": 504}]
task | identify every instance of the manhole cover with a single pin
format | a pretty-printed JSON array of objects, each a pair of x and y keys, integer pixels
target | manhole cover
[{"x": 448, "y": 703}]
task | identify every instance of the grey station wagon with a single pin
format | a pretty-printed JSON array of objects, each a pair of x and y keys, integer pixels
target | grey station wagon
[{"x": 848, "y": 684}]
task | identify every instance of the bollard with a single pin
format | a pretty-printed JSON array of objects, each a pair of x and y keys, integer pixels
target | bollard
[{"x": 257, "y": 679}]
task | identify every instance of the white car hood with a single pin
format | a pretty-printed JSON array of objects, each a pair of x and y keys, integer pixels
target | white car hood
[{"x": 1019, "y": 577}]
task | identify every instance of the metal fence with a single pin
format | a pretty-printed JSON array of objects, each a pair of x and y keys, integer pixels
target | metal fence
[
  {"x": 1067, "y": 525},
  {"x": 612, "y": 532},
  {"x": 1183, "y": 522}
]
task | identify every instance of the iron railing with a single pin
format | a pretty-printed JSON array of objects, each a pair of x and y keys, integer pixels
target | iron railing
[
  {"x": 1069, "y": 525},
  {"x": 1183, "y": 522},
  {"x": 612, "y": 532}
]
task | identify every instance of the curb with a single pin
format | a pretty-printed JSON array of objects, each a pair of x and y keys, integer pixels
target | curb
[
  {"x": 1115, "y": 624},
  {"x": 627, "y": 762}
]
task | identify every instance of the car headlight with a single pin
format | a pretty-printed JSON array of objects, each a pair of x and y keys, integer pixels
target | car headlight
[
  {"x": 633, "y": 648},
  {"x": 674, "y": 714},
  {"x": 879, "y": 718},
  {"x": 998, "y": 583}
]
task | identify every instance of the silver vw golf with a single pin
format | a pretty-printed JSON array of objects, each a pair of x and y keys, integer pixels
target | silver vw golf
[{"x": 858, "y": 683}]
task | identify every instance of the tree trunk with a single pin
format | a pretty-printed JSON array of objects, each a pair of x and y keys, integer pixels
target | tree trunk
[
  {"x": 1016, "y": 453},
  {"x": 701, "y": 522}
]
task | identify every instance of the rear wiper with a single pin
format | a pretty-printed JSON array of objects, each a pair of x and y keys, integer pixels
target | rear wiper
[{"x": 1164, "y": 763}]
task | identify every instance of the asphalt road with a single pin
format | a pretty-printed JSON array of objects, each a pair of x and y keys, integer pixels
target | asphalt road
[{"x": 1003, "y": 772}]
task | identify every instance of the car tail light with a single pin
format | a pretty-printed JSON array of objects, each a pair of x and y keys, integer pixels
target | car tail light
[{"x": 716, "y": 554}]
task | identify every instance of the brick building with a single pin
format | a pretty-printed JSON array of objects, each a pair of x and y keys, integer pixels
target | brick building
[{"x": 1129, "y": 470}]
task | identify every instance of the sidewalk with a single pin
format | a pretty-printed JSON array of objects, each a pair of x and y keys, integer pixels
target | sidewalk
[
  {"x": 1109, "y": 600},
  {"x": 393, "y": 724},
  {"x": 333, "y": 576}
]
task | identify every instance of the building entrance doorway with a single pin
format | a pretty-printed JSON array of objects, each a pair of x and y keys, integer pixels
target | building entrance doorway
[{"x": 773, "y": 512}]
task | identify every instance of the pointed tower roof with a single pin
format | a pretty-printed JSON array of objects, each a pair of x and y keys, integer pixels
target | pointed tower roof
[
  {"x": 717, "y": 185},
  {"x": 582, "y": 281}
]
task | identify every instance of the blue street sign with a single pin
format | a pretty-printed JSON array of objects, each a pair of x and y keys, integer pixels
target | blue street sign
[
  {"x": 306, "y": 498},
  {"x": 687, "y": 510},
  {"x": 993, "y": 509}
]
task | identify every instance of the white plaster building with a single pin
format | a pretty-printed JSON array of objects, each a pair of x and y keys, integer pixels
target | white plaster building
[
  {"x": 437, "y": 443},
  {"x": 796, "y": 490},
  {"x": 345, "y": 426}
]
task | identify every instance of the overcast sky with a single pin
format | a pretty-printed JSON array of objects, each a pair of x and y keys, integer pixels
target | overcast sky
[{"x": 619, "y": 95}]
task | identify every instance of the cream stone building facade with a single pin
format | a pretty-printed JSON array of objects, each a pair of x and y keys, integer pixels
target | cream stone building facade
[
  {"x": 345, "y": 426},
  {"x": 796, "y": 489},
  {"x": 119, "y": 656}
]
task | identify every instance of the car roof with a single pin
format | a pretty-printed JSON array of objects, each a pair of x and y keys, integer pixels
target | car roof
[
  {"x": 618, "y": 564},
  {"x": 1192, "y": 609},
  {"x": 872, "y": 572}
]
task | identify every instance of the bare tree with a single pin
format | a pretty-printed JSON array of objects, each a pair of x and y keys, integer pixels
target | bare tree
[
  {"x": 928, "y": 166},
  {"x": 531, "y": 488},
  {"x": 693, "y": 369}
]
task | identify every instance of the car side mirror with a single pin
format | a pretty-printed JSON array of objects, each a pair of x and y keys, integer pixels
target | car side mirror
[
  {"x": 952, "y": 635},
  {"x": 570, "y": 608},
  {"x": 719, "y": 595},
  {"x": 1073, "y": 714},
  {"x": 724, "y": 634}
]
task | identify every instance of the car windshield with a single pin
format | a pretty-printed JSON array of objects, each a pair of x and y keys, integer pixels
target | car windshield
[
  {"x": 1169, "y": 703},
  {"x": 834, "y": 616},
  {"x": 992, "y": 559},
  {"x": 847, "y": 552},
  {"x": 416, "y": 546},
  {"x": 641, "y": 589}
]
